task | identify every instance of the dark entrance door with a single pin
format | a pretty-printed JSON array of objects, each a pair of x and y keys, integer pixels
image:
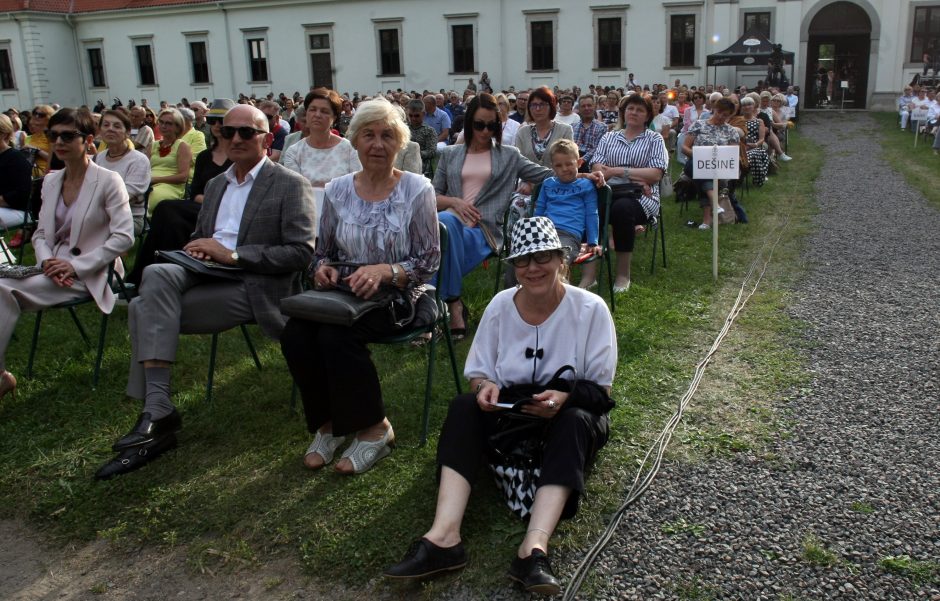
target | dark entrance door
[{"x": 838, "y": 51}]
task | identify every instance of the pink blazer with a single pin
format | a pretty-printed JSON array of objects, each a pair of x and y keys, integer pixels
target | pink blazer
[{"x": 102, "y": 229}]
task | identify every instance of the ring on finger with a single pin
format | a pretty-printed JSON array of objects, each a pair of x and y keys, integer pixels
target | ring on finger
[{"x": 551, "y": 404}]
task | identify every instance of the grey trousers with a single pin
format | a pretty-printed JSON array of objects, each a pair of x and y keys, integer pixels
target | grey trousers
[{"x": 175, "y": 301}]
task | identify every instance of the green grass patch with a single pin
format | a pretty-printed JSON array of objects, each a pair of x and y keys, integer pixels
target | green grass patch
[
  {"x": 816, "y": 553},
  {"x": 919, "y": 166},
  {"x": 862, "y": 507},
  {"x": 919, "y": 571},
  {"x": 235, "y": 494},
  {"x": 682, "y": 526}
]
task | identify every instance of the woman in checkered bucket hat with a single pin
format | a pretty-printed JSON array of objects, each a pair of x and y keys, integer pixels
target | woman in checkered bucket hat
[{"x": 542, "y": 331}]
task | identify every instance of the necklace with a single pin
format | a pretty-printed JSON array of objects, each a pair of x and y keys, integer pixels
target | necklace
[
  {"x": 116, "y": 157},
  {"x": 165, "y": 150}
]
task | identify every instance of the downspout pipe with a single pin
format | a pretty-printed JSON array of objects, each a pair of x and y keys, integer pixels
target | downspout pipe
[{"x": 228, "y": 47}]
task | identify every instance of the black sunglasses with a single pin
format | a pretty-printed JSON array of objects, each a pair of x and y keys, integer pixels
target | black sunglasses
[
  {"x": 39, "y": 115},
  {"x": 493, "y": 126},
  {"x": 541, "y": 257},
  {"x": 245, "y": 133},
  {"x": 67, "y": 136}
]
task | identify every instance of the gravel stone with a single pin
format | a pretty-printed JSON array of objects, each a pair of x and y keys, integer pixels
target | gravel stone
[{"x": 865, "y": 430}]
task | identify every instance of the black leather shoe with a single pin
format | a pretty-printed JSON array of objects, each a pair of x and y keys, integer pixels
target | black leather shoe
[
  {"x": 147, "y": 430},
  {"x": 136, "y": 457},
  {"x": 535, "y": 573},
  {"x": 424, "y": 559}
]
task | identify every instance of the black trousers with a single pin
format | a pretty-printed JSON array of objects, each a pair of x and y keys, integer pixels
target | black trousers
[
  {"x": 333, "y": 369},
  {"x": 571, "y": 444},
  {"x": 171, "y": 226},
  {"x": 625, "y": 214}
]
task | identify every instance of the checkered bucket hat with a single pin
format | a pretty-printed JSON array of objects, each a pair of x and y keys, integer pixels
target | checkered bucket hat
[{"x": 534, "y": 234}]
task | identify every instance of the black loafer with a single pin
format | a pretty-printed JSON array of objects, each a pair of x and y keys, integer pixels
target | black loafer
[
  {"x": 424, "y": 559},
  {"x": 535, "y": 573},
  {"x": 136, "y": 457},
  {"x": 147, "y": 430}
]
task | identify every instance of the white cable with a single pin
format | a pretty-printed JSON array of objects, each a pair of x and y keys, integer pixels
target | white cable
[{"x": 648, "y": 471}]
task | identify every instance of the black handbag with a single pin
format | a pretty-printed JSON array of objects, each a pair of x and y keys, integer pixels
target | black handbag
[{"x": 340, "y": 306}]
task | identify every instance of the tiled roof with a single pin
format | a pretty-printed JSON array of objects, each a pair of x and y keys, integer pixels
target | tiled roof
[{"x": 87, "y": 6}]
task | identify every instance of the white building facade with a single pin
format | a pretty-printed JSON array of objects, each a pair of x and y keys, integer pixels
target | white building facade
[{"x": 104, "y": 49}]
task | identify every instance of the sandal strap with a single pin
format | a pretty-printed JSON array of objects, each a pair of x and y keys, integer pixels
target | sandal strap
[
  {"x": 363, "y": 454},
  {"x": 325, "y": 446}
]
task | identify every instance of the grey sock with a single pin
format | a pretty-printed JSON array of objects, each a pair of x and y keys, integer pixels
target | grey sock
[{"x": 157, "y": 396}]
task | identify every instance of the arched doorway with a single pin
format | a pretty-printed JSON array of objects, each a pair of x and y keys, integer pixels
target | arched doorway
[{"x": 837, "y": 56}]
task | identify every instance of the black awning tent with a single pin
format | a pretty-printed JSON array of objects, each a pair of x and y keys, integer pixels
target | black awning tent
[{"x": 751, "y": 49}]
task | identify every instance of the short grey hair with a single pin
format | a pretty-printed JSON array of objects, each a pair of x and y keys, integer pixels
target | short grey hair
[
  {"x": 187, "y": 114},
  {"x": 383, "y": 111},
  {"x": 747, "y": 101}
]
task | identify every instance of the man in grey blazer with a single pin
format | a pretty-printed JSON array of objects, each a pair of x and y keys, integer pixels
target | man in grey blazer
[{"x": 258, "y": 216}]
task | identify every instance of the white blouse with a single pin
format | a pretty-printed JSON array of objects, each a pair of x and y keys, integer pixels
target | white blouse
[{"x": 580, "y": 333}]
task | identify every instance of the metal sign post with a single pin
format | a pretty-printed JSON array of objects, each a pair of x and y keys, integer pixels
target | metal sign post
[
  {"x": 917, "y": 115},
  {"x": 715, "y": 163}
]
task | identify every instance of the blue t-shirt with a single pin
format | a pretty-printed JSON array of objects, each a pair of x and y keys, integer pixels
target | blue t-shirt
[
  {"x": 440, "y": 120},
  {"x": 572, "y": 207}
]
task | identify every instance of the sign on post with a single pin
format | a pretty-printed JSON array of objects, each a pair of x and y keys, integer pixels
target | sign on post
[
  {"x": 715, "y": 163},
  {"x": 917, "y": 115}
]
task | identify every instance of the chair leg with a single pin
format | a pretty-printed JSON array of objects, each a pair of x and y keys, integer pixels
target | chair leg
[
  {"x": 293, "y": 396},
  {"x": 78, "y": 324},
  {"x": 212, "y": 351},
  {"x": 32, "y": 348},
  {"x": 251, "y": 346},
  {"x": 499, "y": 273},
  {"x": 101, "y": 337},
  {"x": 428, "y": 386},
  {"x": 662, "y": 237},
  {"x": 610, "y": 280}
]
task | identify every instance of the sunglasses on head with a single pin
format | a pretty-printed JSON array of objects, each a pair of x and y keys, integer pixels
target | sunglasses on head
[
  {"x": 493, "y": 126},
  {"x": 245, "y": 132},
  {"x": 541, "y": 257},
  {"x": 67, "y": 136}
]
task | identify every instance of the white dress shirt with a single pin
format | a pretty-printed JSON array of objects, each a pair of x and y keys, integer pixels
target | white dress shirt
[{"x": 234, "y": 199}]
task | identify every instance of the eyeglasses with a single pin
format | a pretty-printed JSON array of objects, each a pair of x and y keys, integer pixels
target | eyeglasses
[
  {"x": 493, "y": 126},
  {"x": 535, "y": 106},
  {"x": 271, "y": 117},
  {"x": 39, "y": 115},
  {"x": 167, "y": 123},
  {"x": 541, "y": 257},
  {"x": 245, "y": 133},
  {"x": 67, "y": 136}
]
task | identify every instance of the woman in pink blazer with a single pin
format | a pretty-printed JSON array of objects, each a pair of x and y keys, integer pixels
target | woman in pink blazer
[{"x": 85, "y": 224}]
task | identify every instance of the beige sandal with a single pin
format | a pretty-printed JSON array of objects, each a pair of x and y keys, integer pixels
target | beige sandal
[
  {"x": 363, "y": 454},
  {"x": 325, "y": 446}
]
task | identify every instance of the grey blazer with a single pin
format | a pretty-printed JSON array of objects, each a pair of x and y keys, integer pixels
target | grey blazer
[
  {"x": 275, "y": 237},
  {"x": 507, "y": 166},
  {"x": 523, "y": 142}
]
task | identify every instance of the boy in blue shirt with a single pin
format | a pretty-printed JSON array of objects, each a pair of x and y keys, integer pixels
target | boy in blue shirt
[{"x": 570, "y": 203}]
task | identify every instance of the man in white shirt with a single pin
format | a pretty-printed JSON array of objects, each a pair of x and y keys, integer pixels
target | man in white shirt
[
  {"x": 904, "y": 105},
  {"x": 258, "y": 217},
  {"x": 793, "y": 101}
]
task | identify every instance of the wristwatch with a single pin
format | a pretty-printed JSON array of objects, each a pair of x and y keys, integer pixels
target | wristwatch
[
  {"x": 395, "y": 272},
  {"x": 235, "y": 256}
]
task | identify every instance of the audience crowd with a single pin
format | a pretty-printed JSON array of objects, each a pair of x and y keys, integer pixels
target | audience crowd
[{"x": 350, "y": 190}]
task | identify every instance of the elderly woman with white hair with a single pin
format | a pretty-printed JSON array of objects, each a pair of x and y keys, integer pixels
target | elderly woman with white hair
[
  {"x": 170, "y": 159},
  {"x": 384, "y": 221}
]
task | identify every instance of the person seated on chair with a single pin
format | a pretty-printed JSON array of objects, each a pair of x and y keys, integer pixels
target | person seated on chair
[
  {"x": 170, "y": 158},
  {"x": 16, "y": 183},
  {"x": 633, "y": 154},
  {"x": 84, "y": 226},
  {"x": 384, "y": 220},
  {"x": 174, "y": 220},
  {"x": 133, "y": 167},
  {"x": 526, "y": 335},
  {"x": 257, "y": 216},
  {"x": 570, "y": 203}
]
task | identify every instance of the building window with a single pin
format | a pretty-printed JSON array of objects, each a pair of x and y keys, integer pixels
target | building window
[
  {"x": 926, "y": 35},
  {"x": 758, "y": 22},
  {"x": 258, "y": 59},
  {"x": 389, "y": 52},
  {"x": 199, "y": 57},
  {"x": 145, "y": 69},
  {"x": 543, "y": 48},
  {"x": 96, "y": 66},
  {"x": 610, "y": 43},
  {"x": 462, "y": 42},
  {"x": 6, "y": 70},
  {"x": 321, "y": 58},
  {"x": 682, "y": 40}
]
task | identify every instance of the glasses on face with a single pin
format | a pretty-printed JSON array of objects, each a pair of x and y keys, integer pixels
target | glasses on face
[
  {"x": 567, "y": 101},
  {"x": 537, "y": 106},
  {"x": 541, "y": 257},
  {"x": 166, "y": 123},
  {"x": 39, "y": 115},
  {"x": 493, "y": 126},
  {"x": 245, "y": 132},
  {"x": 67, "y": 136}
]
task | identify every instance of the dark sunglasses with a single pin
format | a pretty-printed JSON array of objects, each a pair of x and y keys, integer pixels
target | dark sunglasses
[
  {"x": 493, "y": 126},
  {"x": 541, "y": 257},
  {"x": 67, "y": 136},
  {"x": 39, "y": 115},
  {"x": 245, "y": 133},
  {"x": 212, "y": 120}
]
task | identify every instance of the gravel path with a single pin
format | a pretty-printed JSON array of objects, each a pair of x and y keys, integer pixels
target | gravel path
[{"x": 864, "y": 433}]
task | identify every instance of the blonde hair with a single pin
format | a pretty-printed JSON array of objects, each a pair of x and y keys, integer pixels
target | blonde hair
[
  {"x": 6, "y": 128},
  {"x": 383, "y": 111},
  {"x": 177, "y": 119},
  {"x": 563, "y": 146}
]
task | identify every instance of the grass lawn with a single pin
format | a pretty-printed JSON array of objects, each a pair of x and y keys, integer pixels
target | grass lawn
[
  {"x": 236, "y": 493},
  {"x": 919, "y": 166}
]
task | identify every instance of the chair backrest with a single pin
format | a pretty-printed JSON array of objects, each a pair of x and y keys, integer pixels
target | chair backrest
[
  {"x": 35, "y": 200},
  {"x": 604, "y": 197}
]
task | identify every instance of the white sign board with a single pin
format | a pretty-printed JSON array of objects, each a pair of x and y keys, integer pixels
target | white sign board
[
  {"x": 715, "y": 162},
  {"x": 845, "y": 85},
  {"x": 919, "y": 114}
]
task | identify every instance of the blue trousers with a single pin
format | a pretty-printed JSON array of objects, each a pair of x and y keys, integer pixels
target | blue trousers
[{"x": 466, "y": 248}]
